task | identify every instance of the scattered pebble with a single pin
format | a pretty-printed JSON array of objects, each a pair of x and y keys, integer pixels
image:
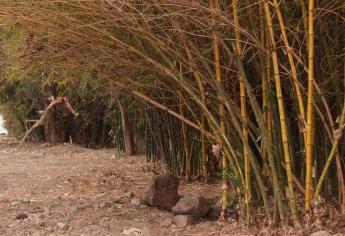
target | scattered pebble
[
  {"x": 119, "y": 200},
  {"x": 105, "y": 205},
  {"x": 136, "y": 201},
  {"x": 183, "y": 220},
  {"x": 129, "y": 195},
  {"x": 167, "y": 222},
  {"x": 320, "y": 233},
  {"x": 146, "y": 232},
  {"x": 131, "y": 232},
  {"x": 21, "y": 216},
  {"x": 61, "y": 225}
]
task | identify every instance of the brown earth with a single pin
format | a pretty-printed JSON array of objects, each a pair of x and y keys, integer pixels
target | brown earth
[{"x": 70, "y": 190}]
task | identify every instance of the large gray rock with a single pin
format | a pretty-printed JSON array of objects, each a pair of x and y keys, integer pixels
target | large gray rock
[
  {"x": 162, "y": 191},
  {"x": 190, "y": 204}
]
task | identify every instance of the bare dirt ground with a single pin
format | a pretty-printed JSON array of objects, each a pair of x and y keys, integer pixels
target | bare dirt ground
[{"x": 69, "y": 190}]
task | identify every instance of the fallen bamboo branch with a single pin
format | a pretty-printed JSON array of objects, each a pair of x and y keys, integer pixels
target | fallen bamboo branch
[
  {"x": 54, "y": 102},
  {"x": 164, "y": 108}
]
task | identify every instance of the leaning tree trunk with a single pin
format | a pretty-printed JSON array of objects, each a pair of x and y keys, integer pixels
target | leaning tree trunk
[{"x": 127, "y": 131}]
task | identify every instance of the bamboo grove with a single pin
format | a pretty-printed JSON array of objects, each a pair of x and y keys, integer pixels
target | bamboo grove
[{"x": 260, "y": 82}]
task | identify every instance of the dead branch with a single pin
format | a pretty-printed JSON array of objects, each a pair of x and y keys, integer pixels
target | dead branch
[{"x": 54, "y": 101}]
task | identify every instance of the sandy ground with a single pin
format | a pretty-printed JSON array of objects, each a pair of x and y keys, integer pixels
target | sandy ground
[{"x": 69, "y": 190}]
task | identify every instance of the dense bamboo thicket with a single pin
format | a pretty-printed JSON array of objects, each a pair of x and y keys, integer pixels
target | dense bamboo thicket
[{"x": 250, "y": 90}]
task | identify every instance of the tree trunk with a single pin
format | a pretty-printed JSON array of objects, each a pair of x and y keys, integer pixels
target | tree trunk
[
  {"x": 127, "y": 131},
  {"x": 50, "y": 131}
]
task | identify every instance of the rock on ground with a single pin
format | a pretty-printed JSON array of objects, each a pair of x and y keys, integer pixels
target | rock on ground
[
  {"x": 183, "y": 220},
  {"x": 61, "y": 225},
  {"x": 162, "y": 191},
  {"x": 146, "y": 232},
  {"x": 190, "y": 204},
  {"x": 131, "y": 232},
  {"x": 320, "y": 233},
  {"x": 215, "y": 210},
  {"x": 21, "y": 216},
  {"x": 136, "y": 201}
]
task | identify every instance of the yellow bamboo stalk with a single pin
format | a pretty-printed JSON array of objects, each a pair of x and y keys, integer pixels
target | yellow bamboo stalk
[
  {"x": 231, "y": 155},
  {"x": 263, "y": 65},
  {"x": 216, "y": 52},
  {"x": 292, "y": 65},
  {"x": 337, "y": 138},
  {"x": 265, "y": 74},
  {"x": 243, "y": 111},
  {"x": 268, "y": 78},
  {"x": 305, "y": 17},
  {"x": 164, "y": 108},
  {"x": 203, "y": 122},
  {"x": 283, "y": 125},
  {"x": 334, "y": 78},
  {"x": 184, "y": 135},
  {"x": 310, "y": 108}
]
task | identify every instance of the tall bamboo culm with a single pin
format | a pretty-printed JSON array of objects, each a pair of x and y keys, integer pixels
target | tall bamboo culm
[
  {"x": 310, "y": 108},
  {"x": 244, "y": 115},
  {"x": 282, "y": 116},
  {"x": 225, "y": 188}
]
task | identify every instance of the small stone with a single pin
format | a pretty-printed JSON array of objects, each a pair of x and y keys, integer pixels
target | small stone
[
  {"x": 47, "y": 211},
  {"x": 21, "y": 216},
  {"x": 136, "y": 201},
  {"x": 41, "y": 223},
  {"x": 49, "y": 228},
  {"x": 84, "y": 206},
  {"x": 166, "y": 222},
  {"x": 146, "y": 232},
  {"x": 105, "y": 205},
  {"x": 129, "y": 195},
  {"x": 151, "y": 220},
  {"x": 320, "y": 233},
  {"x": 176, "y": 233},
  {"x": 183, "y": 220},
  {"x": 61, "y": 225},
  {"x": 119, "y": 200},
  {"x": 12, "y": 225},
  {"x": 131, "y": 232}
]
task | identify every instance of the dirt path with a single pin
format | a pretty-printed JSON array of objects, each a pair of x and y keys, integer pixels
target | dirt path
[{"x": 71, "y": 190}]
